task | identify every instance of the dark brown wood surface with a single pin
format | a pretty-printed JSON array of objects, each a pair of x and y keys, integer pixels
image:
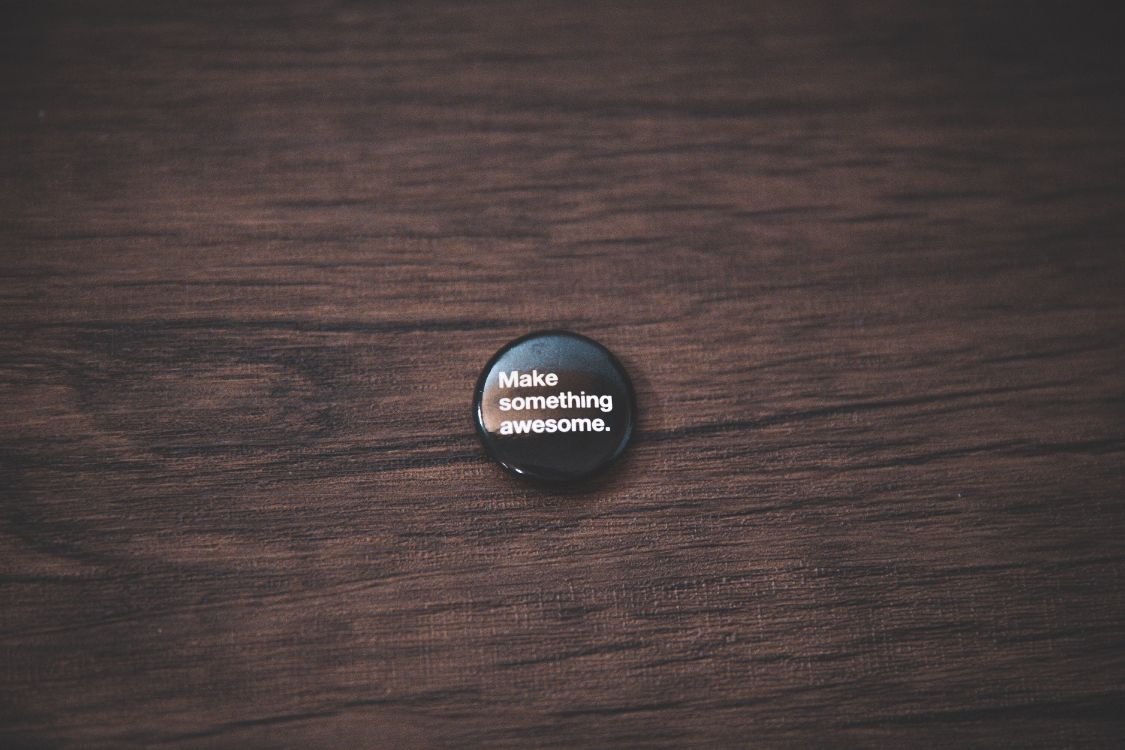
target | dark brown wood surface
[{"x": 864, "y": 262}]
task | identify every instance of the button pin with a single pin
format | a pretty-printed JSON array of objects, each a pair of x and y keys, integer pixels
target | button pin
[{"x": 554, "y": 406}]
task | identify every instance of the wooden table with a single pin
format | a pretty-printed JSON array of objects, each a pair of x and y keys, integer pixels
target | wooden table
[{"x": 864, "y": 263}]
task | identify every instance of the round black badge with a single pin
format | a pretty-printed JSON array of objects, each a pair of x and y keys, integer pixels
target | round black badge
[{"x": 554, "y": 406}]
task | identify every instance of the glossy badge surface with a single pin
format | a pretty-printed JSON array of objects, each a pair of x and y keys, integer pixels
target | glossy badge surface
[{"x": 554, "y": 406}]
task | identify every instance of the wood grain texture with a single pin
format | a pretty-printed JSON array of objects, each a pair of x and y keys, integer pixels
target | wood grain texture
[{"x": 863, "y": 262}]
